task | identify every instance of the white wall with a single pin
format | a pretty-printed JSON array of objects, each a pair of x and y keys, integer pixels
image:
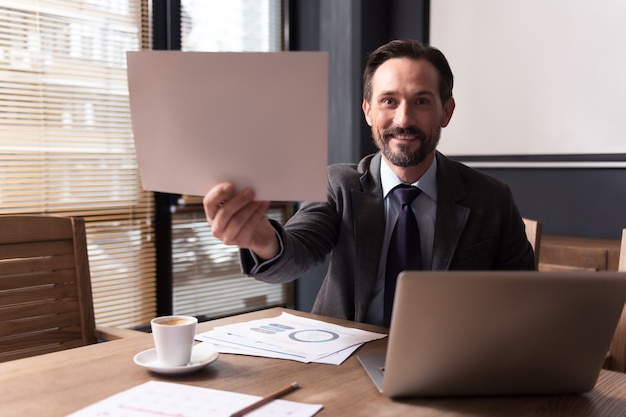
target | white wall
[{"x": 538, "y": 77}]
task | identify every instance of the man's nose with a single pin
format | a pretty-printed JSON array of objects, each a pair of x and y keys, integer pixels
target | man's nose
[{"x": 403, "y": 117}]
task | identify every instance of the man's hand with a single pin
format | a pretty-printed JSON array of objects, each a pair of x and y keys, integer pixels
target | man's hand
[{"x": 237, "y": 219}]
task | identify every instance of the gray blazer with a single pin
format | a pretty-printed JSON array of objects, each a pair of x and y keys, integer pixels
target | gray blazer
[{"x": 478, "y": 227}]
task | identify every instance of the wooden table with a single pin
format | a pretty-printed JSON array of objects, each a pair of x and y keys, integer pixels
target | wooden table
[{"x": 59, "y": 383}]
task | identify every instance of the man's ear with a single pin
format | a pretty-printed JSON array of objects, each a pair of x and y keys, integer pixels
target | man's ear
[
  {"x": 366, "y": 111},
  {"x": 448, "y": 109}
]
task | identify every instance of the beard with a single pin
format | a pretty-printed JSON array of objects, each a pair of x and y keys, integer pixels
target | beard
[{"x": 404, "y": 157}]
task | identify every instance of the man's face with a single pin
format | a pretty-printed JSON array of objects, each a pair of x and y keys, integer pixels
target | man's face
[{"x": 405, "y": 110}]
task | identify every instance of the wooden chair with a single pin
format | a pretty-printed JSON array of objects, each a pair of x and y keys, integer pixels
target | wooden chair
[
  {"x": 533, "y": 233},
  {"x": 573, "y": 254},
  {"x": 617, "y": 350},
  {"x": 45, "y": 289}
]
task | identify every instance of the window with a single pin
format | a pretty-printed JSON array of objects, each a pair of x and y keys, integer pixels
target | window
[
  {"x": 231, "y": 25},
  {"x": 207, "y": 279},
  {"x": 66, "y": 145},
  {"x": 207, "y": 276}
]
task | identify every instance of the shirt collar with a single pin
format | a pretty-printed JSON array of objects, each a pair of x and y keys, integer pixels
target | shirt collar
[{"x": 427, "y": 182}]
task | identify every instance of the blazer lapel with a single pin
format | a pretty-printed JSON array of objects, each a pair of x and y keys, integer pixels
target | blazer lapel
[
  {"x": 369, "y": 226},
  {"x": 451, "y": 217}
]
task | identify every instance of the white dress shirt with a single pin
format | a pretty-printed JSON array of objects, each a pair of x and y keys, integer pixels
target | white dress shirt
[{"x": 425, "y": 209}]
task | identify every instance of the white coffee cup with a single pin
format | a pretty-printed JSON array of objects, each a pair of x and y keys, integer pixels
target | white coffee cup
[{"x": 173, "y": 338}]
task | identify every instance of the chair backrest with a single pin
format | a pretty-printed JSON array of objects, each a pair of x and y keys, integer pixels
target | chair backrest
[
  {"x": 617, "y": 350},
  {"x": 622, "y": 253},
  {"x": 45, "y": 289},
  {"x": 533, "y": 233}
]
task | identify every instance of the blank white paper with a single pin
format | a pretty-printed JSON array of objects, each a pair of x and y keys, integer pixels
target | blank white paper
[{"x": 256, "y": 119}]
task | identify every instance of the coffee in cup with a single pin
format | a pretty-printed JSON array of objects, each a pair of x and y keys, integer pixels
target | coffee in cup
[{"x": 174, "y": 321}]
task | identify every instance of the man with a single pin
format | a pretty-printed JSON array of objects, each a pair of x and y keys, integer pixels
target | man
[{"x": 467, "y": 220}]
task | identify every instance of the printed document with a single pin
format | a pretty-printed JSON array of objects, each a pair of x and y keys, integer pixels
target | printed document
[
  {"x": 289, "y": 337},
  {"x": 156, "y": 398}
]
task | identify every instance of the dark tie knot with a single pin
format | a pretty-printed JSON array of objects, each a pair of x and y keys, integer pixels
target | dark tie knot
[{"x": 405, "y": 194}]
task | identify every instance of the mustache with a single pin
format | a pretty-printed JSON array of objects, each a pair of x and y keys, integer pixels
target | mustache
[{"x": 410, "y": 130}]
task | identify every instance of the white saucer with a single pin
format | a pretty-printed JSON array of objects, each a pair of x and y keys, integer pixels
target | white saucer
[{"x": 201, "y": 356}]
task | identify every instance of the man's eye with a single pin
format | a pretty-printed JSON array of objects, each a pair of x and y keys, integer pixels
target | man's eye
[
  {"x": 387, "y": 101},
  {"x": 422, "y": 101}
]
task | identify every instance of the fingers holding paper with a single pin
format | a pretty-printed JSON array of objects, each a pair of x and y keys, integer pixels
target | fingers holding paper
[
  {"x": 237, "y": 219},
  {"x": 216, "y": 198}
]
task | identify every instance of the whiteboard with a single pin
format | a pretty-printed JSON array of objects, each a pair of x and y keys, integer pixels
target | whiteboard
[{"x": 534, "y": 77}]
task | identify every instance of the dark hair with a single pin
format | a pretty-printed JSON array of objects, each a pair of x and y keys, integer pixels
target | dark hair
[{"x": 407, "y": 48}]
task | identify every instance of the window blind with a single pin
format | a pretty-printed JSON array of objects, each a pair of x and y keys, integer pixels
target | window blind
[
  {"x": 66, "y": 144},
  {"x": 207, "y": 280},
  {"x": 207, "y": 276}
]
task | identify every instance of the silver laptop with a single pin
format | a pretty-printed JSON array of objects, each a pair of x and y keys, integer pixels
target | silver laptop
[{"x": 497, "y": 333}]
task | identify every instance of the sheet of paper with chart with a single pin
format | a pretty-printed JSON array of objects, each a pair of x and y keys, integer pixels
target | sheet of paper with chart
[
  {"x": 289, "y": 337},
  {"x": 156, "y": 398}
]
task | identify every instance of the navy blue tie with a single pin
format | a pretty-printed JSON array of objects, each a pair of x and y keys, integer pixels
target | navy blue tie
[{"x": 404, "y": 247}]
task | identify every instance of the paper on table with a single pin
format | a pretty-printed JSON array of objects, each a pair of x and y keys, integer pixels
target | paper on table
[
  {"x": 257, "y": 119},
  {"x": 225, "y": 342},
  {"x": 155, "y": 398},
  {"x": 255, "y": 347},
  {"x": 222, "y": 342},
  {"x": 290, "y": 337}
]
